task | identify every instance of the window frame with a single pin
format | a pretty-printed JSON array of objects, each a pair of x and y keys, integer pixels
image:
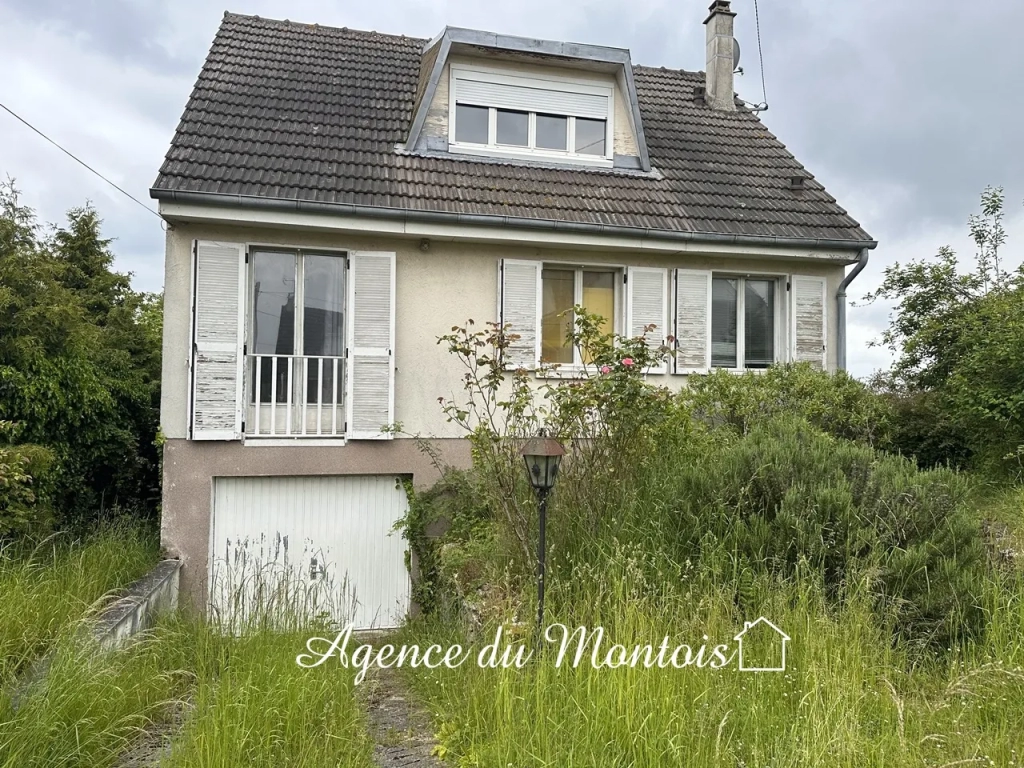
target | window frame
[
  {"x": 780, "y": 346},
  {"x": 618, "y": 296},
  {"x": 248, "y": 342},
  {"x": 581, "y": 85}
]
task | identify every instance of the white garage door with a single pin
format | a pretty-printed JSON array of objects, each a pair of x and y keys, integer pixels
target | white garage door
[{"x": 309, "y": 545}]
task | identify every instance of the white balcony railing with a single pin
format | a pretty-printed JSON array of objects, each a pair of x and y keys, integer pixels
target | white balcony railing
[{"x": 295, "y": 396}]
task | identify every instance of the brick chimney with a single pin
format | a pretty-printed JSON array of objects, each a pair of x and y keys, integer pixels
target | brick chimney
[{"x": 720, "y": 93}]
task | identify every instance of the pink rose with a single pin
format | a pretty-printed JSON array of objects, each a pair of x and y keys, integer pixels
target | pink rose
[
  {"x": 627, "y": 361},
  {"x": 605, "y": 369}
]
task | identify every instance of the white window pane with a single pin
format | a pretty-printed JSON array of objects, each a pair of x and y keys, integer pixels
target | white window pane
[
  {"x": 471, "y": 124},
  {"x": 759, "y": 323},
  {"x": 552, "y": 132},
  {"x": 723, "y": 322},
  {"x": 590, "y": 136},
  {"x": 513, "y": 128}
]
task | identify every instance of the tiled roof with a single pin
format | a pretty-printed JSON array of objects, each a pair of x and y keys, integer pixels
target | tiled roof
[{"x": 303, "y": 112}]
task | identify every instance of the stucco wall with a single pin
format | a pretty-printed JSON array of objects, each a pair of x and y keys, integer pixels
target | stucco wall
[{"x": 445, "y": 286}]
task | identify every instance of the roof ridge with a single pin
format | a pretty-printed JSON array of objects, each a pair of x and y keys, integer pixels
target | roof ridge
[
  {"x": 680, "y": 70},
  {"x": 316, "y": 25}
]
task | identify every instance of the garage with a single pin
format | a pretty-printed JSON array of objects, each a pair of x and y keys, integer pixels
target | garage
[{"x": 285, "y": 546}]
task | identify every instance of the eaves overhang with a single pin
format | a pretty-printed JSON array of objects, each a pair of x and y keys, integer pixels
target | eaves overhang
[{"x": 510, "y": 222}]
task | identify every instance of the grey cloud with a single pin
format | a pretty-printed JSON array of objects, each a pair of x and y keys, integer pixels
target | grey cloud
[{"x": 126, "y": 30}]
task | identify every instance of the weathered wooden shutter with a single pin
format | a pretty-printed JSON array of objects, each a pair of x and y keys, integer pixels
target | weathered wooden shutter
[
  {"x": 647, "y": 304},
  {"x": 218, "y": 321},
  {"x": 370, "y": 365},
  {"x": 693, "y": 321},
  {"x": 520, "y": 307},
  {"x": 807, "y": 313}
]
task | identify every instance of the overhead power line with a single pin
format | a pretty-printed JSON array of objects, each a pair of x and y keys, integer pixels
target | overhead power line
[
  {"x": 80, "y": 162},
  {"x": 760, "y": 54}
]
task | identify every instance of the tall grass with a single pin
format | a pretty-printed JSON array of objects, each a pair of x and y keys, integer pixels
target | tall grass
[
  {"x": 91, "y": 705},
  {"x": 850, "y": 696},
  {"x": 907, "y": 642},
  {"x": 254, "y": 706},
  {"x": 246, "y": 700},
  {"x": 47, "y": 586}
]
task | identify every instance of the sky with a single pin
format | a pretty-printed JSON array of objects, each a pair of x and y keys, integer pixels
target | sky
[{"x": 904, "y": 109}]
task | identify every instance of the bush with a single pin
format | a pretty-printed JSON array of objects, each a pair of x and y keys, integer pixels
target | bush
[
  {"x": 24, "y": 507},
  {"x": 836, "y": 403},
  {"x": 750, "y": 477},
  {"x": 787, "y": 496},
  {"x": 79, "y": 364}
]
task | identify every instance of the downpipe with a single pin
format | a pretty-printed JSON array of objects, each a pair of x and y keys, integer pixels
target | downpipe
[{"x": 862, "y": 262}]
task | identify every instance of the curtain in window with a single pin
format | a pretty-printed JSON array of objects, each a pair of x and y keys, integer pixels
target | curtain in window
[
  {"x": 559, "y": 288},
  {"x": 724, "y": 301},
  {"x": 599, "y": 299},
  {"x": 322, "y": 322},
  {"x": 273, "y": 321},
  {"x": 759, "y": 323}
]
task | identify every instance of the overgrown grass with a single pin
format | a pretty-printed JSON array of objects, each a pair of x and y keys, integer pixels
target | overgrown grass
[
  {"x": 47, "y": 586},
  {"x": 246, "y": 703},
  {"x": 254, "y": 706},
  {"x": 91, "y": 704},
  {"x": 850, "y": 696}
]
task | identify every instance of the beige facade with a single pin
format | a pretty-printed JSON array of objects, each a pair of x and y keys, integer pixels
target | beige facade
[{"x": 439, "y": 283}]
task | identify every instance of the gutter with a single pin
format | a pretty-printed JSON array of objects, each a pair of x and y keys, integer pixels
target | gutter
[
  {"x": 511, "y": 222},
  {"x": 841, "y": 301}
]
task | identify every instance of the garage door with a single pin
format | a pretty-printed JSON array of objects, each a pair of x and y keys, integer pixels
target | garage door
[{"x": 284, "y": 546}]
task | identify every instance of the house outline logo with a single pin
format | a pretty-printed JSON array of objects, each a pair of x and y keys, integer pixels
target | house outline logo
[{"x": 783, "y": 639}]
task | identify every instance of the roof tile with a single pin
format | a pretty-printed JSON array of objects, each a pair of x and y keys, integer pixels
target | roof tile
[{"x": 301, "y": 111}]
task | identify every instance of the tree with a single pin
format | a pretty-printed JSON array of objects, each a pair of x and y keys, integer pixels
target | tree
[
  {"x": 958, "y": 337},
  {"x": 79, "y": 362}
]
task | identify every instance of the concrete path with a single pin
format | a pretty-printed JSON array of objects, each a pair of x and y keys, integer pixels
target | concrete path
[{"x": 402, "y": 731}]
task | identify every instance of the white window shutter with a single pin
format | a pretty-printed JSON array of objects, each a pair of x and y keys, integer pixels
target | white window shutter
[
  {"x": 520, "y": 307},
  {"x": 218, "y": 321},
  {"x": 647, "y": 304},
  {"x": 693, "y": 321},
  {"x": 808, "y": 331},
  {"x": 370, "y": 365}
]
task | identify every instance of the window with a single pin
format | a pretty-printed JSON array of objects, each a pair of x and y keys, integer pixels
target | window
[
  {"x": 471, "y": 124},
  {"x": 563, "y": 288},
  {"x": 743, "y": 322},
  {"x": 589, "y": 136},
  {"x": 553, "y": 133},
  {"x": 296, "y": 343},
  {"x": 556, "y": 117}
]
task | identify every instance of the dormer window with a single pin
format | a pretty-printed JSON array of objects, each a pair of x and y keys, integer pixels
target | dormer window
[{"x": 561, "y": 118}]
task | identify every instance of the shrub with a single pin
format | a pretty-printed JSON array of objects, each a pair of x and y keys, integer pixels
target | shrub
[
  {"x": 786, "y": 496},
  {"x": 746, "y": 477},
  {"x": 24, "y": 506},
  {"x": 836, "y": 403}
]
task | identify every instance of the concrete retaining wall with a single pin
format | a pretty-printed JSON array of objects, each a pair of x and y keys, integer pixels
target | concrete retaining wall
[{"x": 155, "y": 592}]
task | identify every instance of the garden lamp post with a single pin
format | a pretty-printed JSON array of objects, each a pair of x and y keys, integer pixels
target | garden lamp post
[{"x": 542, "y": 455}]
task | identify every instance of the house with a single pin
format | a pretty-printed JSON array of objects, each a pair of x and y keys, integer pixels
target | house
[
  {"x": 762, "y": 647},
  {"x": 338, "y": 199}
]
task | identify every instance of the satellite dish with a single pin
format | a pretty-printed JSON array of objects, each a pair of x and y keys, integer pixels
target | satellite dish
[{"x": 735, "y": 54}]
